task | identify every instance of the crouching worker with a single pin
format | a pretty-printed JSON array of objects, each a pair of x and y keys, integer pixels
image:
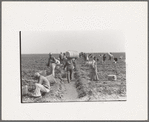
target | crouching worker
[
  {"x": 43, "y": 85},
  {"x": 69, "y": 65}
]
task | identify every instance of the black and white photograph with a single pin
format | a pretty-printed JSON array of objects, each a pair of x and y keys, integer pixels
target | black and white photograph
[
  {"x": 72, "y": 66},
  {"x": 74, "y": 60}
]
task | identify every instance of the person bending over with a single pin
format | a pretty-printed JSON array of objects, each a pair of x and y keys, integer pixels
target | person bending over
[{"x": 42, "y": 85}]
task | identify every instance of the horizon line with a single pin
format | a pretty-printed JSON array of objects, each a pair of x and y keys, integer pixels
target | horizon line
[{"x": 59, "y": 52}]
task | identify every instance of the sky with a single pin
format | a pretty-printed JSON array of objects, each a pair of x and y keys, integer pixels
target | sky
[
  {"x": 80, "y": 26},
  {"x": 39, "y": 42}
]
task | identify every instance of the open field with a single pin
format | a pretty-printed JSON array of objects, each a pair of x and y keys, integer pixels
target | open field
[{"x": 81, "y": 87}]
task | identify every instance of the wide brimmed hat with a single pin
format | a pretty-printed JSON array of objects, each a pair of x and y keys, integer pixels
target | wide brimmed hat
[{"x": 36, "y": 74}]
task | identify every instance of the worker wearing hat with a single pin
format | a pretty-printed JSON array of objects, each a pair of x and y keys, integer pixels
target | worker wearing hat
[
  {"x": 42, "y": 85},
  {"x": 69, "y": 65},
  {"x": 61, "y": 56},
  {"x": 52, "y": 63},
  {"x": 94, "y": 72}
]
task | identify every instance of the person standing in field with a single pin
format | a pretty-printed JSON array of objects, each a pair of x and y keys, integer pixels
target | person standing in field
[
  {"x": 94, "y": 72},
  {"x": 86, "y": 57},
  {"x": 69, "y": 65},
  {"x": 64, "y": 58},
  {"x": 104, "y": 57},
  {"x": 61, "y": 56},
  {"x": 42, "y": 85},
  {"x": 52, "y": 63}
]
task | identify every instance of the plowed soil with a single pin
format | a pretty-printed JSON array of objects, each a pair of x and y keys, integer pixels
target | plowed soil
[{"x": 81, "y": 88}]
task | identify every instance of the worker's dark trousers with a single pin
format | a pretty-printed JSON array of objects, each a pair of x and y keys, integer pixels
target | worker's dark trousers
[
  {"x": 61, "y": 61},
  {"x": 69, "y": 74}
]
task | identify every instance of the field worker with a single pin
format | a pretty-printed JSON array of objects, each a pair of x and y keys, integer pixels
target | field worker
[
  {"x": 64, "y": 58},
  {"x": 86, "y": 57},
  {"x": 94, "y": 60},
  {"x": 94, "y": 75},
  {"x": 57, "y": 61},
  {"x": 61, "y": 57},
  {"x": 100, "y": 58},
  {"x": 52, "y": 63},
  {"x": 80, "y": 54},
  {"x": 104, "y": 57},
  {"x": 69, "y": 65},
  {"x": 90, "y": 55},
  {"x": 74, "y": 62},
  {"x": 43, "y": 85},
  {"x": 110, "y": 56}
]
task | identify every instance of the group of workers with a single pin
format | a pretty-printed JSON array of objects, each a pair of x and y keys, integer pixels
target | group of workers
[
  {"x": 43, "y": 84},
  {"x": 67, "y": 64}
]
